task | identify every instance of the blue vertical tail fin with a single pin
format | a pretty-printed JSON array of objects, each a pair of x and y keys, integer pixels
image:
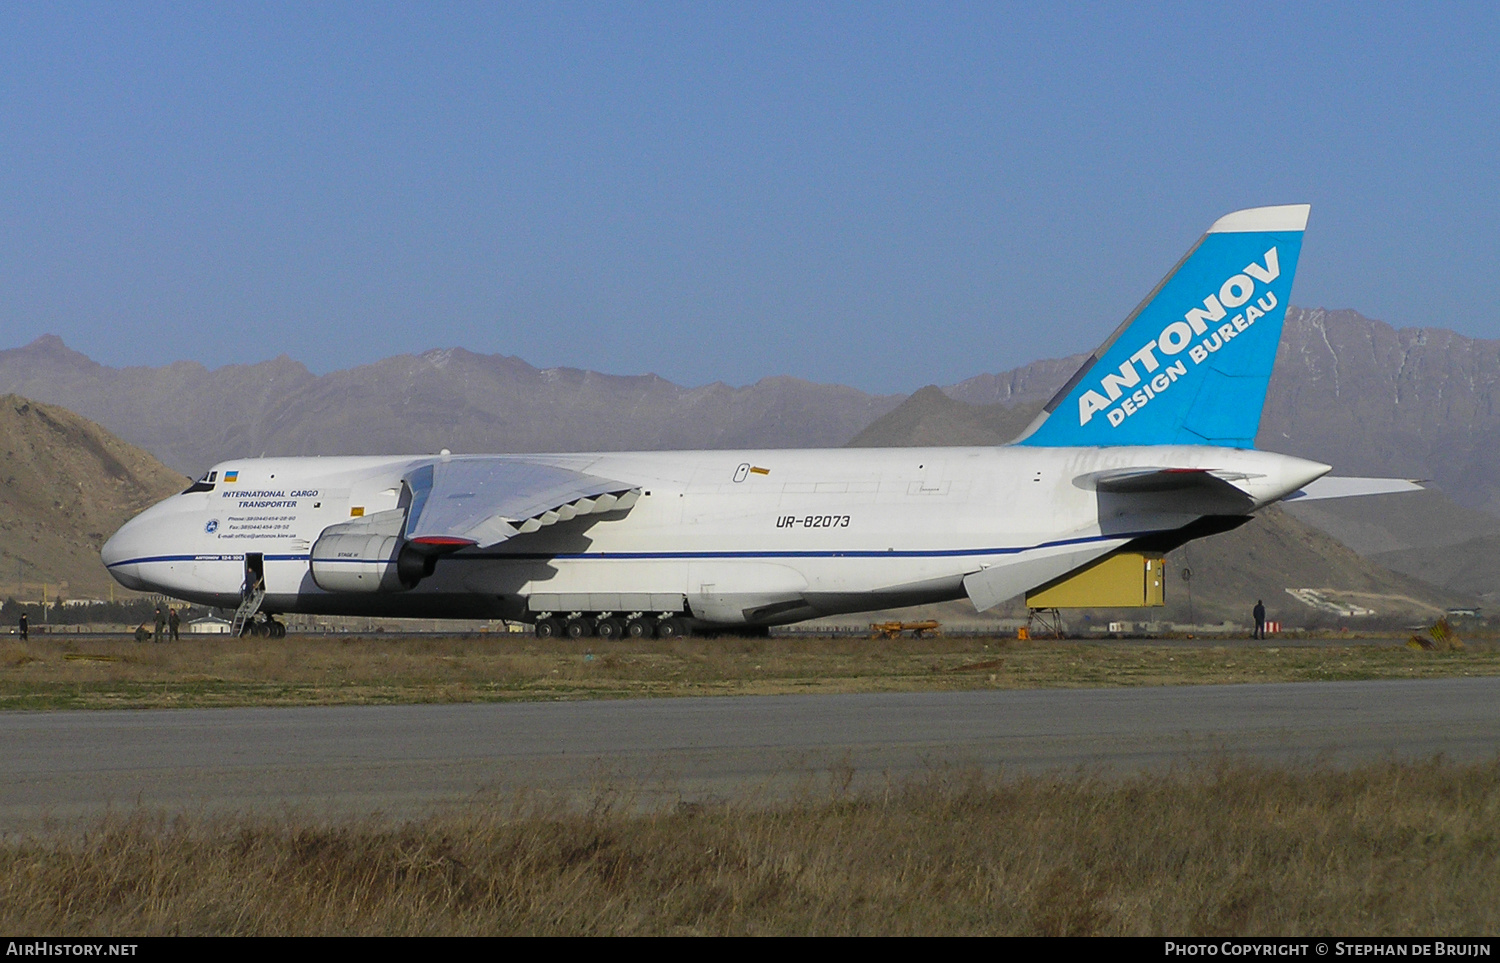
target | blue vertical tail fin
[{"x": 1191, "y": 364}]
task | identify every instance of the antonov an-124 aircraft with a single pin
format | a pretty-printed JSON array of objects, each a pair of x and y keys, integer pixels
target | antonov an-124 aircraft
[{"x": 1149, "y": 445}]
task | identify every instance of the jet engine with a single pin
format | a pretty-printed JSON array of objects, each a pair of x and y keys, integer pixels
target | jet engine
[{"x": 368, "y": 555}]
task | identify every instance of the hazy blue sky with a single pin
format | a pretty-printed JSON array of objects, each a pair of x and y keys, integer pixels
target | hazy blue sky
[{"x": 880, "y": 195}]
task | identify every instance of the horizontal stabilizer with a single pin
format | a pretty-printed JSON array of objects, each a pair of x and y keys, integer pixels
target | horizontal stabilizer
[
  {"x": 1131, "y": 480},
  {"x": 1197, "y": 489},
  {"x": 1327, "y": 487}
]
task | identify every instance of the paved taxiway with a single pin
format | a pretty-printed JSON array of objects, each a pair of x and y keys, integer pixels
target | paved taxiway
[{"x": 404, "y": 760}]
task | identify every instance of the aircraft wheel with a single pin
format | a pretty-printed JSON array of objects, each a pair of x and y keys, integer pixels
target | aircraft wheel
[
  {"x": 580, "y": 628},
  {"x": 609, "y": 629},
  {"x": 278, "y": 631},
  {"x": 262, "y": 630},
  {"x": 549, "y": 629},
  {"x": 639, "y": 629},
  {"x": 670, "y": 628}
]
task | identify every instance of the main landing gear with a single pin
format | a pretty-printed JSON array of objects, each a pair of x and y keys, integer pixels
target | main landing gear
[
  {"x": 264, "y": 628},
  {"x": 609, "y": 626}
]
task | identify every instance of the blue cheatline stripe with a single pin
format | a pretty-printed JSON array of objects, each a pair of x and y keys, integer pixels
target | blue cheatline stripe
[
  {"x": 689, "y": 556},
  {"x": 200, "y": 558}
]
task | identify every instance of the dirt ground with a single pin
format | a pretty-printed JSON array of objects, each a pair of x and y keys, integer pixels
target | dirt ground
[{"x": 109, "y": 672}]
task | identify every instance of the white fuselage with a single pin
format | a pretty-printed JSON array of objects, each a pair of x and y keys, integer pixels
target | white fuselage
[{"x": 734, "y": 536}]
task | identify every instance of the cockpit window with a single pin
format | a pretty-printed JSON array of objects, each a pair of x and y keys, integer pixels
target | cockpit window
[{"x": 204, "y": 484}]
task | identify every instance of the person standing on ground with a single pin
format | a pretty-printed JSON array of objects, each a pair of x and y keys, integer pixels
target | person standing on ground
[
  {"x": 24, "y": 629},
  {"x": 161, "y": 623},
  {"x": 173, "y": 621},
  {"x": 1260, "y": 620}
]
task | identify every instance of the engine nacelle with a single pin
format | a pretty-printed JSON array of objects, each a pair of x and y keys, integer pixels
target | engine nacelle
[{"x": 366, "y": 555}]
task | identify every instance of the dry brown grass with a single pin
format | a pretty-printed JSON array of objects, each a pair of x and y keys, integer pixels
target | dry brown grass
[
  {"x": 112, "y": 673},
  {"x": 1391, "y": 849}
]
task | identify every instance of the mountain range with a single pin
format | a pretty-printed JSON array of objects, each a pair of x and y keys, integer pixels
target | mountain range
[
  {"x": 191, "y": 417},
  {"x": 1356, "y": 393}
]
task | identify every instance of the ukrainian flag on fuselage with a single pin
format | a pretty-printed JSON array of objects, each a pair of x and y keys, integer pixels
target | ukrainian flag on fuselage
[{"x": 1191, "y": 364}]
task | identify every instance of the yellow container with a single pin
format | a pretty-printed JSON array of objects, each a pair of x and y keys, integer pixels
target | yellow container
[{"x": 1128, "y": 580}]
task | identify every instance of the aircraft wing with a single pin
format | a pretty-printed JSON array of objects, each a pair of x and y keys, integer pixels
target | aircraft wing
[{"x": 484, "y": 501}]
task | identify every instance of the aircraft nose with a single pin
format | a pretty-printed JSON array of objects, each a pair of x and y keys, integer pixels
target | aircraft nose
[
  {"x": 113, "y": 551},
  {"x": 121, "y": 552}
]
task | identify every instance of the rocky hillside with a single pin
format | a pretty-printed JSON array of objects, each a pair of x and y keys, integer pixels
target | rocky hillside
[
  {"x": 1275, "y": 552},
  {"x": 1424, "y": 535},
  {"x": 1034, "y": 383},
  {"x": 65, "y": 486},
  {"x": 932, "y": 417},
  {"x": 1418, "y": 402}
]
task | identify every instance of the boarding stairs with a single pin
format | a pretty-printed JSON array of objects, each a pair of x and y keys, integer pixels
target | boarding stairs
[{"x": 246, "y": 611}]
